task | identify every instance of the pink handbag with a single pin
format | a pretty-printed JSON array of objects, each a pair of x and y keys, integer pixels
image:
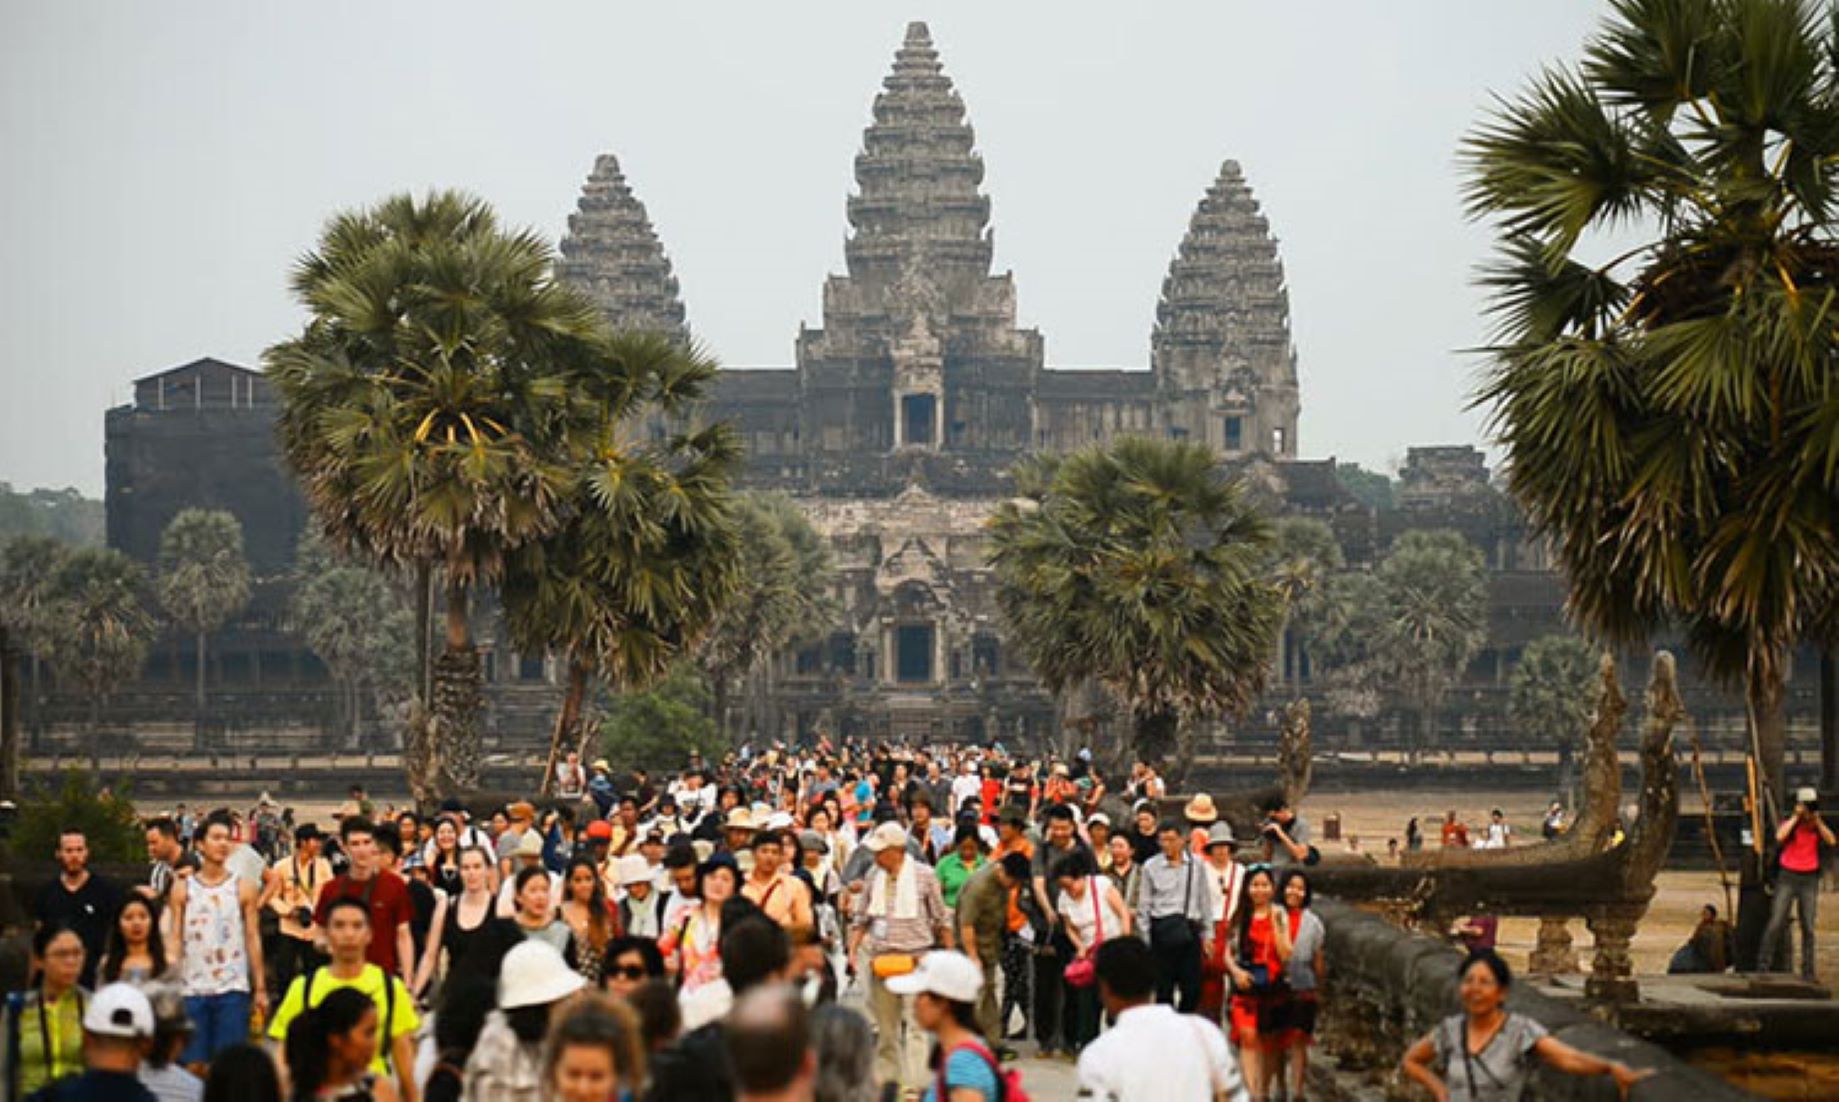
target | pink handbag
[{"x": 1084, "y": 971}]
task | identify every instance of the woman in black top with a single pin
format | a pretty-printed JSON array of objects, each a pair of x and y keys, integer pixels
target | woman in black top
[{"x": 469, "y": 913}]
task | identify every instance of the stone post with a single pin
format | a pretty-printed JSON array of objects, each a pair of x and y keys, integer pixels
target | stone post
[
  {"x": 1612, "y": 977},
  {"x": 1554, "y": 953}
]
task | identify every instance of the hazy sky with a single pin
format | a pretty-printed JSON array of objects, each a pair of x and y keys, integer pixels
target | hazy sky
[{"x": 161, "y": 164}]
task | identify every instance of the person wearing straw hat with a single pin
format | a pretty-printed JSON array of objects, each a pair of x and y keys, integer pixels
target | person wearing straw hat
[{"x": 1797, "y": 883}]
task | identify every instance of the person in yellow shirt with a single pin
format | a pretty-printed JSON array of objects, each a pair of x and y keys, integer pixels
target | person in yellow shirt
[{"x": 348, "y": 938}]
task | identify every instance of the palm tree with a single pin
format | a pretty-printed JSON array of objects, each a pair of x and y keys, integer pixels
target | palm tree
[
  {"x": 1670, "y": 417},
  {"x": 428, "y": 412},
  {"x": 1306, "y": 560},
  {"x": 99, "y": 625},
  {"x": 350, "y": 615},
  {"x": 28, "y": 566},
  {"x": 1549, "y": 697},
  {"x": 203, "y": 580},
  {"x": 646, "y": 555},
  {"x": 1434, "y": 602},
  {"x": 783, "y": 598},
  {"x": 1142, "y": 567}
]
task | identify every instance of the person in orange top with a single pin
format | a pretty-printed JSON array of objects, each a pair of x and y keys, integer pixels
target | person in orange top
[
  {"x": 1455, "y": 832},
  {"x": 784, "y": 899},
  {"x": 1018, "y": 942}
]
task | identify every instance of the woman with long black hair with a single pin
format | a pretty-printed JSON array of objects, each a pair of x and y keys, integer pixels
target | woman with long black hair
[
  {"x": 590, "y": 921},
  {"x": 136, "y": 953},
  {"x": 330, "y": 1048}
]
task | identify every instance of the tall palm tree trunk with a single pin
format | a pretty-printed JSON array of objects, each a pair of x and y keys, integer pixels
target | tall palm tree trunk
[
  {"x": 1766, "y": 696},
  {"x": 198, "y": 698},
  {"x": 443, "y": 758},
  {"x": 567, "y": 721},
  {"x": 9, "y": 717},
  {"x": 424, "y": 632}
]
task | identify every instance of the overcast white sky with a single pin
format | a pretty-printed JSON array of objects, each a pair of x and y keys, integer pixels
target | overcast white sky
[{"x": 162, "y": 163}]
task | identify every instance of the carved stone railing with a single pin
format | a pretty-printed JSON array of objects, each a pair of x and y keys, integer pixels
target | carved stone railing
[{"x": 1386, "y": 987}]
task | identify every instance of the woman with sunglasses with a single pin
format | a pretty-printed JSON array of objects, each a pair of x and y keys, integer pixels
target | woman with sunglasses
[
  {"x": 1260, "y": 952},
  {"x": 631, "y": 963}
]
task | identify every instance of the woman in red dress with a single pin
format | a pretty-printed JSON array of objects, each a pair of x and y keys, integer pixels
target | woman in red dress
[{"x": 1260, "y": 952}]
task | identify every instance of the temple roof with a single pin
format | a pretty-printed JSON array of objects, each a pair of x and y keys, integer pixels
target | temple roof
[
  {"x": 918, "y": 174},
  {"x": 612, "y": 253},
  {"x": 1225, "y": 286}
]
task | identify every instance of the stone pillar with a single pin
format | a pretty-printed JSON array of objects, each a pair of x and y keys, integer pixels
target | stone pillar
[
  {"x": 1612, "y": 973},
  {"x": 1554, "y": 953}
]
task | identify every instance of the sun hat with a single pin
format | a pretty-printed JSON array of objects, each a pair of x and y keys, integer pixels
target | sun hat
[
  {"x": 1200, "y": 809},
  {"x": 600, "y": 831},
  {"x": 1098, "y": 817},
  {"x": 601, "y": 765},
  {"x": 122, "y": 1010},
  {"x": 1806, "y": 796},
  {"x": 530, "y": 845},
  {"x": 1220, "y": 834},
  {"x": 886, "y": 836},
  {"x": 739, "y": 819},
  {"x": 534, "y": 974},
  {"x": 632, "y": 869},
  {"x": 779, "y": 820},
  {"x": 943, "y": 972}
]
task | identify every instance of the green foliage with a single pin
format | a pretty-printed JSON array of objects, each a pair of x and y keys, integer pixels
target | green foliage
[
  {"x": 1305, "y": 563},
  {"x": 1143, "y": 568},
  {"x": 1550, "y": 697},
  {"x": 1433, "y": 592},
  {"x": 28, "y": 568},
  {"x": 99, "y": 627},
  {"x": 1371, "y": 488},
  {"x": 659, "y": 727},
  {"x": 783, "y": 596},
  {"x": 358, "y": 624},
  {"x": 63, "y": 515},
  {"x": 203, "y": 579},
  {"x": 1671, "y": 417},
  {"x": 106, "y": 819}
]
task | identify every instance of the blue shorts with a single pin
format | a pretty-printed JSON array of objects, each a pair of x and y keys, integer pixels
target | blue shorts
[{"x": 218, "y": 1021}]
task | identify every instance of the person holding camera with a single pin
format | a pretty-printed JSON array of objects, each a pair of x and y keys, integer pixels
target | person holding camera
[
  {"x": 1174, "y": 902},
  {"x": 294, "y": 883},
  {"x": 1797, "y": 881},
  {"x": 1285, "y": 833}
]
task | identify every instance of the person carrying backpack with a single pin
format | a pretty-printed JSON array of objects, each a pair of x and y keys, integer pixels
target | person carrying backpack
[
  {"x": 944, "y": 988},
  {"x": 348, "y": 934}
]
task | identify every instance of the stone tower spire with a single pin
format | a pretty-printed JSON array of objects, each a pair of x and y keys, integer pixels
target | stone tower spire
[
  {"x": 613, "y": 254},
  {"x": 918, "y": 176},
  {"x": 1223, "y": 324}
]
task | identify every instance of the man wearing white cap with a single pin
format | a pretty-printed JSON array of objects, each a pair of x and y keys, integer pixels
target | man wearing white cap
[
  {"x": 1798, "y": 882},
  {"x": 117, "y": 1029},
  {"x": 901, "y": 916}
]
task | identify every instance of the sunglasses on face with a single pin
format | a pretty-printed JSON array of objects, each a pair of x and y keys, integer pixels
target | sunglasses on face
[{"x": 629, "y": 972}]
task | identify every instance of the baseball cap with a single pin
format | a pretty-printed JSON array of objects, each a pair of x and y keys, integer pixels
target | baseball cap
[
  {"x": 119, "y": 1010},
  {"x": 886, "y": 836},
  {"x": 600, "y": 831},
  {"x": 943, "y": 972}
]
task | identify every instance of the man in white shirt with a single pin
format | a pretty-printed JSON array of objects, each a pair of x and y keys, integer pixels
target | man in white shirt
[
  {"x": 1190, "y": 1058},
  {"x": 967, "y": 785}
]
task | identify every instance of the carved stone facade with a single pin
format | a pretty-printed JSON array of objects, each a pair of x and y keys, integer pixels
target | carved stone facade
[{"x": 898, "y": 423}]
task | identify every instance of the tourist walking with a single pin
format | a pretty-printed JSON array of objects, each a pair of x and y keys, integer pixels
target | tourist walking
[
  {"x": 392, "y": 944},
  {"x": 692, "y": 947},
  {"x": 595, "y": 1052},
  {"x": 330, "y": 1049},
  {"x": 506, "y": 1065},
  {"x": 1229, "y": 883},
  {"x": 535, "y": 915},
  {"x": 1151, "y": 1053},
  {"x": 1797, "y": 879},
  {"x": 983, "y": 927},
  {"x": 591, "y": 921},
  {"x": 137, "y": 952},
  {"x": 167, "y": 856},
  {"x": 1091, "y": 910},
  {"x": 162, "y": 1073},
  {"x": 1260, "y": 954},
  {"x": 1486, "y": 1053},
  {"x": 771, "y": 886},
  {"x": 348, "y": 936},
  {"x": 1053, "y": 952},
  {"x": 220, "y": 949},
  {"x": 1175, "y": 903},
  {"x": 80, "y": 900},
  {"x": 956, "y": 867},
  {"x": 944, "y": 989},
  {"x": 44, "y": 1024},
  {"x": 902, "y": 915},
  {"x": 117, "y": 1027},
  {"x": 1297, "y": 1005},
  {"x": 292, "y": 892}
]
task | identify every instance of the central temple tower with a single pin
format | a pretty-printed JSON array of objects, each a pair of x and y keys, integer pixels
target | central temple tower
[{"x": 919, "y": 373}]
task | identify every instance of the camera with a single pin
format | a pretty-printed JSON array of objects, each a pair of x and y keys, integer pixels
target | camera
[{"x": 303, "y": 916}]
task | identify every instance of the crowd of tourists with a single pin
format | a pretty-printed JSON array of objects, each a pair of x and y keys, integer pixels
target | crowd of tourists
[{"x": 828, "y": 922}]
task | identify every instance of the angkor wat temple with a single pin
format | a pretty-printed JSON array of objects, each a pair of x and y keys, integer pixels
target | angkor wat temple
[{"x": 894, "y": 429}]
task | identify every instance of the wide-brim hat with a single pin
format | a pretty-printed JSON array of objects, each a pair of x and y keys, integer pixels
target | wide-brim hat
[
  {"x": 740, "y": 819},
  {"x": 534, "y": 974},
  {"x": 1200, "y": 809},
  {"x": 1220, "y": 834},
  {"x": 601, "y": 765}
]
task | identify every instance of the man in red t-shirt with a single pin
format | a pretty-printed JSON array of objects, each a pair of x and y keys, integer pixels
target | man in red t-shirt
[
  {"x": 1798, "y": 882},
  {"x": 391, "y": 946}
]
